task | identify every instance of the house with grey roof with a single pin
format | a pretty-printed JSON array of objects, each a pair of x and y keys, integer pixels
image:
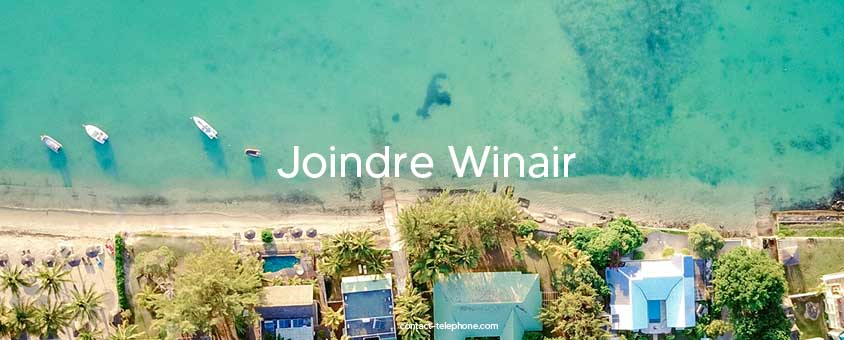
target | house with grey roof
[{"x": 653, "y": 296}]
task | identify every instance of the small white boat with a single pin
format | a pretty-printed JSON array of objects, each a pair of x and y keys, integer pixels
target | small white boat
[
  {"x": 51, "y": 143},
  {"x": 206, "y": 128},
  {"x": 96, "y": 133},
  {"x": 254, "y": 153}
]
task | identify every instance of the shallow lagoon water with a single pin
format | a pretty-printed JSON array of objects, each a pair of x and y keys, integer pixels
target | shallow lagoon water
[{"x": 721, "y": 93}]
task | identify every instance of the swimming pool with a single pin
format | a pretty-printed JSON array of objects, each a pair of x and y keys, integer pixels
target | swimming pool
[{"x": 276, "y": 263}]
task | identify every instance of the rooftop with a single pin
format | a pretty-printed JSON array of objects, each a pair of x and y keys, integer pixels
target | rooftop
[
  {"x": 368, "y": 305},
  {"x": 654, "y": 295},
  {"x": 281, "y": 296},
  {"x": 510, "y": 300}
]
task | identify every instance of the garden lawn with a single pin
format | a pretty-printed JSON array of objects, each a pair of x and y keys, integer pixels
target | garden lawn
[{"x": 817, "y": 257}]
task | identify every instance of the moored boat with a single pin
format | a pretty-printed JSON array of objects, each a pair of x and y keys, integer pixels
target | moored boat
[
  {"x": 206, "y": 128},
  {"x": 51, "y": 143},
  {"x": 255, "y": 153},
  {"x": 96, "y": 133}
]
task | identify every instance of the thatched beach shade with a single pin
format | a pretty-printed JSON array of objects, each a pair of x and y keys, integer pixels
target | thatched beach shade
[
  {"x": 250, "y": 234},
  {"x": 92, "y": 251},
  {"x": 296, "y": 233},
  {"x": 74, "y": 260},
  {"x": 4, "y": 259},
  {"x": 27, "y": 260},
  {"x": 278, "y": 233},
  {"x": 311, "y": 233},
  {"x": 49, "y": 260}
]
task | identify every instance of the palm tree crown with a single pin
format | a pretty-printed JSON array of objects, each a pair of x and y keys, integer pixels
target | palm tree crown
[
  {"x": 52, "y": 279},
  {"x": 14, "y": 280}
]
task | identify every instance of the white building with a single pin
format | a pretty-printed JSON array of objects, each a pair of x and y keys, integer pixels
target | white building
[{"x": 834, "y": 299}]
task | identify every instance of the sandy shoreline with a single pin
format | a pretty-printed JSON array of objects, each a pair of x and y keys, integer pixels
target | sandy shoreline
[{"x": 103, "y": 225}]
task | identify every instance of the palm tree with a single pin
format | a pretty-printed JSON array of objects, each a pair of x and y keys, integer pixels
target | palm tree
[
  {"x": 85, "y": 305},
  {"x": 125, "y": 332},
  {"x": 21, "y": 319},
  {"x": 89, "y": 333},
  {"x": 52, "y": 317},
  {"x": 412, "y": 309},
  {"x": 14, "y": 280},
  {"x": 362, "y": 244},
  {"x": 332, "y": 318},
  {"x": 52, "y": 279},
  {"x": 468, "y": 257},
  {"x": 5, "y": 330}
]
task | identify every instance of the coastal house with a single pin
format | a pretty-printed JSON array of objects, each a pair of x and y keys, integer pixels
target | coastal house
[
  {"x": 287, "y": 312},
  {"x": 653, "y": 296},
  {"x": 502, "y": 305},
  {"x": 834, "y": 299},
  {"x": 368, "y": 305}
]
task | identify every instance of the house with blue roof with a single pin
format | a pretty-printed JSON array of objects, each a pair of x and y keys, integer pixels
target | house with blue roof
[
  {"x": 368, "y": 306},
  {"x": 508, "y": 303},
  {"x": 653, "y": 296}
]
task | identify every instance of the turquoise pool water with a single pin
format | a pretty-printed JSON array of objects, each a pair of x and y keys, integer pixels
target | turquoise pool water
[
  {"x": 275, "y": 263},
  {"x": 721, "y": 93}
]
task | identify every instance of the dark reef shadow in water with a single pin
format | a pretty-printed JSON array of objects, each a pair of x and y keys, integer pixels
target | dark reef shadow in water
[
  {"x": 634, "y": 55},
  {"x": 59, "y": 162},
  {"x": 436, "y": 94},
  {"x": 105, "y": 158},
  {"x": 214, "y": 152},
  {"x": 259, "y": 168}
]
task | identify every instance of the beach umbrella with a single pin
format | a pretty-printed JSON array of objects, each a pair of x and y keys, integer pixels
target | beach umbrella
[
  {"x": 278, "y": 233},
  {"x": 4, "y": 259},
  {"x": 92, "y": 251},
  {"x": 250, "y": 234},
  {"x": 296, "y": 233},
  {"x": 65, "y": 251},
  {"x": 74, "y": 260},
  {"x": 49, "y": 260},
  {"x": 311, "y": 233},
  {"x": 27, "y": 260}
]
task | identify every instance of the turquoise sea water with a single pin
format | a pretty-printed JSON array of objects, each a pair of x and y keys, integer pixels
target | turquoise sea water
[{"x": 744, "y": 93}]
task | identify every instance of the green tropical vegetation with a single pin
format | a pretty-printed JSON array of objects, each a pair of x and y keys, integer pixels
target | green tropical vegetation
[
  {"x": 210, "y": 293},
  {"x": 348, "y": 249},
  {"x": 705, "y": 241},
  {"x": 156, "y": 264},
  {"x": 447, "y": 232},
  {"x": 332, "y": 319},
  {"x": 120, "y": 272},
  {"x": 412, "y": 309},
  {"x": 752, "y": 286},
  {"x": 267, "y": 236},
  {"x": 14, "y": 280},
  {"x": 575, "y": 314},
  {"x": 607, "y": 245},
  {"x": 54, "y": 312}
]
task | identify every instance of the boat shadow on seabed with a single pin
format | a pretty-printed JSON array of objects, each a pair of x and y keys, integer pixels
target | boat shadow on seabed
[
  {"x": 105, "y": 158},
  {"x": 259, "y": 169},
  {"x": 214, "y": 152},
  {"x": 58, "y": 160}
]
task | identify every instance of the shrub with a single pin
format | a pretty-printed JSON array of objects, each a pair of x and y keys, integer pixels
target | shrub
[
  {"x": 705, "y": 241},
  {"x": 685, "y": 251},
  {"x": 667, "y": 251},
  {"x": 120, "y": 272},
  {"x": 526, "y": 227},
  {"x": 638, "y": 255},
  {"x": 267, "y": 236}
]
